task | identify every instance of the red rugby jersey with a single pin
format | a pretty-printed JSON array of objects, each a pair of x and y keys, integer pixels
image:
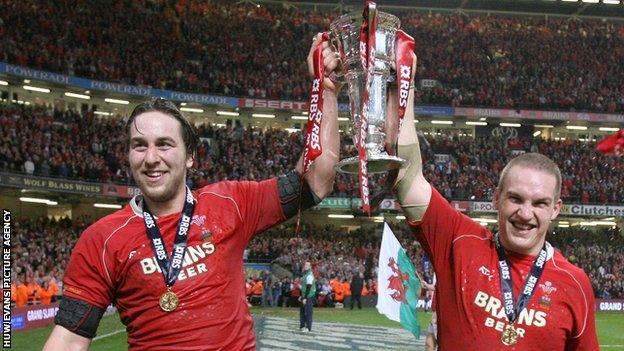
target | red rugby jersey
[
  {"x": 113, "y": 262},
  {"x": 559, "y": 315}
]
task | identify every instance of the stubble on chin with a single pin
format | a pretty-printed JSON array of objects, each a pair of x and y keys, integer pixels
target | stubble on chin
[
  {"x": 163, "y": 193},
  {"x": 159, "y": 194},
  {"x": 520, "y": 244}
]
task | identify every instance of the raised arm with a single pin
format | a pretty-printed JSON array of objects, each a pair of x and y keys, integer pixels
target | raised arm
[
  {"x": 295, "y": 195},
  {"x": 412, "y": 189},
  {"x": 320, "y": 176}
]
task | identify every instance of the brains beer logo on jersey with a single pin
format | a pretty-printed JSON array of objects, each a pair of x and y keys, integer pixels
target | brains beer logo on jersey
[
  {"x": 497, "y": 318},
  {"x": 190, "y": 264}
]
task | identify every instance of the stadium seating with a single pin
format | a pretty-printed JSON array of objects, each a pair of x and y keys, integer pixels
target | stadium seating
[
  {"x": 600, "y": 254},
  {"x": 77, "y": 146},
  {"x": 40, "y": 251},
  {"x": 474, "y": 60}
]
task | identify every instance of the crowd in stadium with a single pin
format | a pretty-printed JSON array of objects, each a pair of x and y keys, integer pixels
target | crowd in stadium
[
  {"x": 42, "y": 248},
  {"x": 511, "y": 62},
  {"x": 494, "y": 61},
  {"x": 600, "y": 254},
  {"x": 472, "y": 173},
  {"x": 82, "y": 146},
  {"x": 336, "y": 256},
  {"x": 40, "y": 251}
]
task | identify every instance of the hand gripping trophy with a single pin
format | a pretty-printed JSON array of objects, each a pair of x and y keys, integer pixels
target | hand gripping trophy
[{"x": 368, "y": 48}]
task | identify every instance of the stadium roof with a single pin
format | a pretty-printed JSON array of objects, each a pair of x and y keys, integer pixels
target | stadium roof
[{"x": 594, "y": 8}]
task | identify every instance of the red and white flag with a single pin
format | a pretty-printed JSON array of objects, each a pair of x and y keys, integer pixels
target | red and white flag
[{"x": 612, "y": 144}]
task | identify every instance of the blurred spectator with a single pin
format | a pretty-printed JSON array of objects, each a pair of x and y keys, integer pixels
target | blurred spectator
[
  {"x": 46, "y": 293},
  {"x": 34, "y": 291},
  {"x": 276, "y": 290},
  {"x": 256, "y": 292},
  {"x": 268, "y": 281},
  {"x": 357, "y": 284},
  {"x": 295, "y": 293},
  {"x": 286, "y": 287},
  {"x": 20, "y": 294}
]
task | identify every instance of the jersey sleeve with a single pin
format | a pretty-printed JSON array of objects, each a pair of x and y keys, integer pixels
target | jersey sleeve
[
  {"x": 584, "y": 328},
  {"x": 259, "y": 204},
  {"x": 440, "y": 225},
  {"x": 86, "y": 277}
]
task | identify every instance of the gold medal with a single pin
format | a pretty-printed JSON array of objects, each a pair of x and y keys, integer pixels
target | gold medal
[
  {"x": 510, "y": 336},
  {"x": 169, "y": 301}
]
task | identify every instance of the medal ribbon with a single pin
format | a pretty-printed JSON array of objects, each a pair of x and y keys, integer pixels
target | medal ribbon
[
  {"x": 170, "y": 268},
  {"x": 367, "y": 57},
  {"x": 528, "y": 289},
  {"x": 404, "y": 60}
]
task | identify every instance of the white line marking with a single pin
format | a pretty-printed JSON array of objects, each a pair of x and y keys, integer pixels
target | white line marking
[{"x": 109, "y": 334}]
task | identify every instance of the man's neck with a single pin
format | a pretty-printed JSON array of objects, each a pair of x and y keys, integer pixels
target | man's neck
[{"x": 160, "y": 209}]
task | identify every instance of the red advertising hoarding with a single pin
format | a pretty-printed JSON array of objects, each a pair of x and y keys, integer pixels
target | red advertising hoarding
[{"x": 31, "y": 317}]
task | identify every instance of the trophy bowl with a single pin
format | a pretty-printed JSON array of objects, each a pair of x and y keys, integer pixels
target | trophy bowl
[{"x": 345, "y": 36}]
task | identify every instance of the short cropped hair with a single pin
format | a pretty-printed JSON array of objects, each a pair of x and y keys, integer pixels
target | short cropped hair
[
  {"x": 169, "y": 108},
  {"x": 536, "y": 162}
]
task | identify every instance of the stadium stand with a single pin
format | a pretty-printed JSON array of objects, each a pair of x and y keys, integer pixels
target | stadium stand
[
  {"x": 58, "y": 143},
  {"x": 40, "y": 253},
  {"x": 600, "y": 254},
  {"x": 537, "y": 62}
]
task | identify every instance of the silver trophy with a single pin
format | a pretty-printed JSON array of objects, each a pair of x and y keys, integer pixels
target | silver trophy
[{"x": 345, "y": 36}]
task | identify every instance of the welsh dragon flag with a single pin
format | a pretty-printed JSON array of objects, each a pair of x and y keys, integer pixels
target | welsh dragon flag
[{"x": 397, "y": 283}]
